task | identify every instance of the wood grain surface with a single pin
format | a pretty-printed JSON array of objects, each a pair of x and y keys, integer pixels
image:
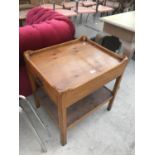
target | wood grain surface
[{"x": 69, "y": 72}]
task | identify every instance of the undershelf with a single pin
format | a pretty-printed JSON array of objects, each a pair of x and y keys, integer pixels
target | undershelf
[{"x": 82, "y": 108}]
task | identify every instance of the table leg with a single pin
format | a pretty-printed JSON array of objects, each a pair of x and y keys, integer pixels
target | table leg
[
  {"x": 128, "y": 49},
  {"x": 115, "y": 89},
  {"x": 62, "y": 123},
  {"x": 34, "y": 89}
]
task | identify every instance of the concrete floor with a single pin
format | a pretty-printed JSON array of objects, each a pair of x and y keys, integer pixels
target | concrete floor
[
  {"x": 101, "y": 133},
  {"x": 90, "y": 28}
]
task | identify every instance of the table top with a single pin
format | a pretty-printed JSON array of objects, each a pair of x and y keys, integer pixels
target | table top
[
  {"x": 69, "y": 65},
  {"x": 124, "y": 20}
]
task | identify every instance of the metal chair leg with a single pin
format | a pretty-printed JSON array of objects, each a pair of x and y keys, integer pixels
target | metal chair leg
[
  {"x": 29, "y": 104},
  {"x": 87, "y": 17},
  {"x": 94, "y": 17},
  {"x": 75, "y": 19},
  {"x": 35, "y": 132},
  {"x": 80, "y": 18}
]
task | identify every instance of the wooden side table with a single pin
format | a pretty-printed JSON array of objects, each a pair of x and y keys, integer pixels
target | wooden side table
[{"x": 71, "y": 71}]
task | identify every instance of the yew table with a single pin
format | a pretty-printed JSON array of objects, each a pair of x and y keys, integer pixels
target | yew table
[
  {"x": 122, "y": 26},
  {"x": 73, "y": 75}
]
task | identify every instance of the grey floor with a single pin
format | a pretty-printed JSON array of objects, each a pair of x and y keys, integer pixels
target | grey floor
[
  {"x": 102, "y": 133},
  {"x": 90, "y": 28}
]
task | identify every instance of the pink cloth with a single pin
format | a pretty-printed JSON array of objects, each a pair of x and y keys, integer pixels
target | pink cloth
[
  {"x": 44, "y": 27},
  {"x": 39, "y": 14}
]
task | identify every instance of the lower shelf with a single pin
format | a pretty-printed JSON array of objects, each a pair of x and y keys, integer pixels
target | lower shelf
[{"x": 82, "y": 108}]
